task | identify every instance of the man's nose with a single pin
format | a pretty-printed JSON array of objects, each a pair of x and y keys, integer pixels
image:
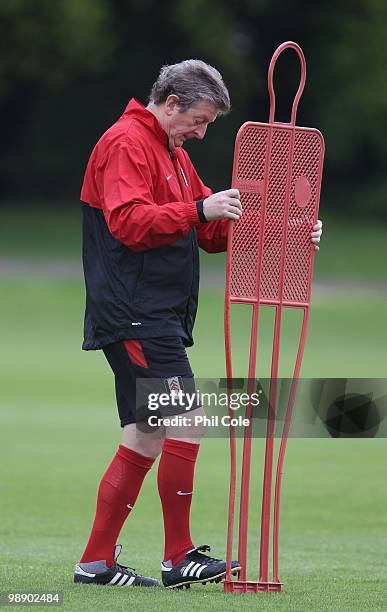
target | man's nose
[{"x": 200, "y": 132}]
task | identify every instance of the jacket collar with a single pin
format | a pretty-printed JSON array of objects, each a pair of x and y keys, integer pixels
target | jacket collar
[{"x": 136, "y": 110}]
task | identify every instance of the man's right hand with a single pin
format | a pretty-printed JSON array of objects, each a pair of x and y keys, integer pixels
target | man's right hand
[{"x": 223, "y": 205}]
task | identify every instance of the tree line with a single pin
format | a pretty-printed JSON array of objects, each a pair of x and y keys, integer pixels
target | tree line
[{"x": 69, "y": 67}]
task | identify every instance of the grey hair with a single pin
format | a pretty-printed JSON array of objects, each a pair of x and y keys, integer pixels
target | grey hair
[{"x": 191, "y": 81}]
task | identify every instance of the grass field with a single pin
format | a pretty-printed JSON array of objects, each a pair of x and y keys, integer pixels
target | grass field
[
  {"x": 59, "y": 431},
  {"x": 352, "y": 250}
]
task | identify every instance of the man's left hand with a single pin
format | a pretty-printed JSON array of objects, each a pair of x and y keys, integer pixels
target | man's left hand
[{"x": 316, "y": 234}]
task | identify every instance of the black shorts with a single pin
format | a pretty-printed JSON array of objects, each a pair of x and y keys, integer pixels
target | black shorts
[{"x": 156, "y": 365}]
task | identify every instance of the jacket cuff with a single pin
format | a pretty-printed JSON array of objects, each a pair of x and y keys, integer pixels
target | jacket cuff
[
  {"x": 201, "y": 215},
  {"x": 192, "y": 214}
]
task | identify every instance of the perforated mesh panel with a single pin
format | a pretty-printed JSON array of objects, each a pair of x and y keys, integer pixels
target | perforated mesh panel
[
  {"x": 285, "y": 173},
  {"x": 306, "y": 162},
  {"x": 275, "y": 210},
  {"x": 249, "y": 180}
]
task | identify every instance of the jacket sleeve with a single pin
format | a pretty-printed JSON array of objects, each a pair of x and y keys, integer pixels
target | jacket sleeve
[
  {"x": 212, "y": 236},
  {"x": 133, "y": 217}
]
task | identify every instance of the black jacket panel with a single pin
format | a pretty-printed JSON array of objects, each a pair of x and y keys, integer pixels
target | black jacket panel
[{"x": 136, "y": 295}]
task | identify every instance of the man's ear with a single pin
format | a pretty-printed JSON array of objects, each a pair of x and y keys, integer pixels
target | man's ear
[{"x": 170, "y": 104}]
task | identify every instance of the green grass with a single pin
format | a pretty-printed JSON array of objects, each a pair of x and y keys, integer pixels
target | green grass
[
  {"x": 30, "y": 229},
  {"x": 59, "y": 431},
  {"x": 349, "y": 250}
]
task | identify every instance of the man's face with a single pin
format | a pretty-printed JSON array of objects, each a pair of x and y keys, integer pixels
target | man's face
[{"x": 192, "y": 123}]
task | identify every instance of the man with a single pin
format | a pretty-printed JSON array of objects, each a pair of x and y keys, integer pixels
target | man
[{"x": 145, "y": 212}]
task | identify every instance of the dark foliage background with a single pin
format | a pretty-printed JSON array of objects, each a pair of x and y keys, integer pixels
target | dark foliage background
[{"x": 68, "y": 68}]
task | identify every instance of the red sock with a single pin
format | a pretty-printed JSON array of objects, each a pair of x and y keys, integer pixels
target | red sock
[
  {"x": 117, "y": 493},
  {"x": 175, "y": 481}
]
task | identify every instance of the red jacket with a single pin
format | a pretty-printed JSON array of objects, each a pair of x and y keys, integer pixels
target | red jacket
[
  {"x": 141, "y": 233},
  {"x": 147, "y": 195}
]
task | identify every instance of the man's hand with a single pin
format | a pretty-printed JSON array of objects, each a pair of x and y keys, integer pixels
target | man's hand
[
  {"x": 223, "y": 205},
  {"x": 316, "y": 234}
]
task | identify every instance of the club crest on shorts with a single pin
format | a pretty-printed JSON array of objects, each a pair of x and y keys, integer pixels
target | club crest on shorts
[{"x": 174, "y": 384}]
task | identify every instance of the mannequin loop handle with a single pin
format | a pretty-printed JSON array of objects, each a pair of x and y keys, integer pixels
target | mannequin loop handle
[{"x": 286, "y": 45}]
